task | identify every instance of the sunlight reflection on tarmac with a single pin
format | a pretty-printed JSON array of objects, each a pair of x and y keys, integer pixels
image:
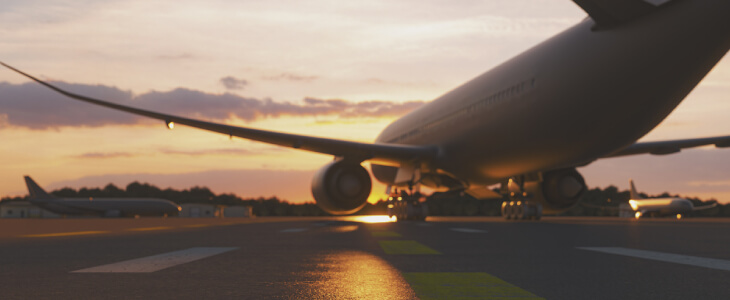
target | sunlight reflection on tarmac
[{"x": 354, "y": 275}]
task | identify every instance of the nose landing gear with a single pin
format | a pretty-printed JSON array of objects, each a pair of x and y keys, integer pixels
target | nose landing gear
[{"x": 405, "y": 207}]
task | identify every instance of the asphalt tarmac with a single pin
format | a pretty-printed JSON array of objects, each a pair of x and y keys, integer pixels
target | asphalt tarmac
[{"x": 348, "y": 258}]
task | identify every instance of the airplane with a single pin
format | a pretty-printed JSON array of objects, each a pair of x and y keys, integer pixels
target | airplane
[
  {"x": 661, "y": 207},
  {"x": 587, "y": 93},
  {"x": 104, "y": 207}
]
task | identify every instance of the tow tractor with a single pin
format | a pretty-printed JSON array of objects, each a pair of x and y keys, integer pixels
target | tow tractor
[{"x": 407, "y": 207}]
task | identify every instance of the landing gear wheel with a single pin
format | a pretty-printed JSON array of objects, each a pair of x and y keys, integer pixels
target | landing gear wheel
[
  {"x": 521, "y": 210},
  {"x": 506, "y": 210},
  {"x": 407, "y": 207}
]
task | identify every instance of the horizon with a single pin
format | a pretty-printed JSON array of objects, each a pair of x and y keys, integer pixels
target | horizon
[{"x": 312, "y": 201}]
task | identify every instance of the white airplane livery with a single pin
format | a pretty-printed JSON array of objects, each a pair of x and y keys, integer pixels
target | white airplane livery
[
  {"x": 103, "y": 207},
  {"x": 590, "y": 92},
  {"x": 661, "y": 207}
]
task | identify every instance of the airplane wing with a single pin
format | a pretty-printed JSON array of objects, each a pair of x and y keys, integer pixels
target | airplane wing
[
  {"x": 704, "y": 207},
  {"x": 608, "y": 13},
  {"x": 669, "y": 147},
  {"x": 355, "y": 150}
]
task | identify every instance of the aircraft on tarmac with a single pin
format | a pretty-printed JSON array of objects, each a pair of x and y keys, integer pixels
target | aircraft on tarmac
[
  {"x": 105, "y": 207},
  {"x": 587, "y": 93},
  {"x": 661, "y": 207}
]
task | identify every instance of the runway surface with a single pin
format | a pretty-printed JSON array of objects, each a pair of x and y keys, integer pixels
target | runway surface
[{"x": 347, "y": 258}]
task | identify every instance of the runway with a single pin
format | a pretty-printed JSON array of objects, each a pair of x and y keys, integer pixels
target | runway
[{"x": 346, "y": 258}]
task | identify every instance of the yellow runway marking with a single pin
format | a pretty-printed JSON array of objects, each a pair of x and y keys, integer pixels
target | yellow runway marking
[
  {"x": 406, "y": 247},
  {"x": 197, "y": 225},
  {"x": 385, "y": 234},
  {"x": 463, "y": 286},
  {"x": 150, "y": 228},
  {"x": 65, "y": 233}
]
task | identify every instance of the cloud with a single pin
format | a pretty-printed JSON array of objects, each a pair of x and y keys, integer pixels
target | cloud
[
  {"x": 373, "y": 108},
  {"x": 33, "y": 106},
  {"x": 226, "y": 151},
  {"x": 291, "y": 77},
  {"x": 232, "y": 83},
  {"x": 95, "y": 155},
  {"x": 181, "y": 56}
]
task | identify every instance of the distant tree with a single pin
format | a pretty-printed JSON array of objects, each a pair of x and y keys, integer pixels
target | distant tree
[{"x": 595, "y": 202}]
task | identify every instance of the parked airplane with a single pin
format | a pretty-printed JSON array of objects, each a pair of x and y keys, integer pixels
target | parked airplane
[
  {"x": 106, "y": 207},
  {"x": 587, "y": 93},
  {"x": 661, "y": 207}
]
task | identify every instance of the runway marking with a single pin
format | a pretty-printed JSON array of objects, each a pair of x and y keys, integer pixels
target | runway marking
[
  {"x": 468, "y": 230},
  {"x": 385, "y": 233},
  {"x": 197, "y": 225},
  {"x": 347, "y": 228},
  {"x": 406, "y": 247},
  {"x": 65, "y": 233},
  {"x": 158, "y": 262},
  {"x": 150, "y": 228},
  {"x": 464, "y": 285},
  {"x": 711, "y": 263},
  {"x": 290, "y": 230}
]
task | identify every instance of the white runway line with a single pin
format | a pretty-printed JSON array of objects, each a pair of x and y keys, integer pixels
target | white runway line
[
  {"x": 158, "y": 262},
  {"x": 711, "y": 263},
  {"x": 469, "y": 230},
  {"x": 294, "y": 230}
]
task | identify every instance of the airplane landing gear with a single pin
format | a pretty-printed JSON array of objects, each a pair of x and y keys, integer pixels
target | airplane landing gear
[
  {"x": 519, "y": 207},
  {"x": 407, "y": 207},
  {"x": 521, "y": 210}
]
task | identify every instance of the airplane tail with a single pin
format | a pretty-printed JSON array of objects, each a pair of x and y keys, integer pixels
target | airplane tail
[
  {"x": 634, "y": 195},
  {"x": 36, "y": 192}
]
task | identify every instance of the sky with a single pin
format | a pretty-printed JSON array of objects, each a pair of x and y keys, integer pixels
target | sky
[{"x": 338, "y": 69}]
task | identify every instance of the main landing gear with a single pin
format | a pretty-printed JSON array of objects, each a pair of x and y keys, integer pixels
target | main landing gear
[
  {"x": 407, "y": 207},
  {"x": 519, "y": 207},
  {"x": 521, "y": 210}
]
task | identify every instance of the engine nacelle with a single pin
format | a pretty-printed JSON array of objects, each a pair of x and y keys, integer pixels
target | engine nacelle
[
  {"x": 341, "y": 187},
  {"x": 558, "y": 191}
]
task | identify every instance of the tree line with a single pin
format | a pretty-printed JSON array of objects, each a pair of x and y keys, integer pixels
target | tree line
[{"x": 595, "y": 202}]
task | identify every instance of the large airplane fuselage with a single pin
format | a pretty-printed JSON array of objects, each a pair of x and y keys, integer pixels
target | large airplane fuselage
[{"x": 578, "y": 96}]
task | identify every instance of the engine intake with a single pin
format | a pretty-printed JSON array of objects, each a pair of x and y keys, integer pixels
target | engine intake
[{"x": 341, "y": 187}]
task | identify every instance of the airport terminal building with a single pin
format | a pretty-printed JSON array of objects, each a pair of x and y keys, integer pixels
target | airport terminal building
[{"x": 23, "y": 209}]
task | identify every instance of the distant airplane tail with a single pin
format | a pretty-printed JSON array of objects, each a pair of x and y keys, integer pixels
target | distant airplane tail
[
  {"x": 35, "y": 191},
  {"x": 634, "y": 195}
]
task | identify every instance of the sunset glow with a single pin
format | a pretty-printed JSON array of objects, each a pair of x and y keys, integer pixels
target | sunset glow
[{"x": 337, "y": 70}]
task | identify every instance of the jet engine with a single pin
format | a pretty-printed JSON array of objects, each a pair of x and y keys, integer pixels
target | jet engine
[
  {"x": 557, "y": 191},
  {"x": 341, "y": 187}
]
